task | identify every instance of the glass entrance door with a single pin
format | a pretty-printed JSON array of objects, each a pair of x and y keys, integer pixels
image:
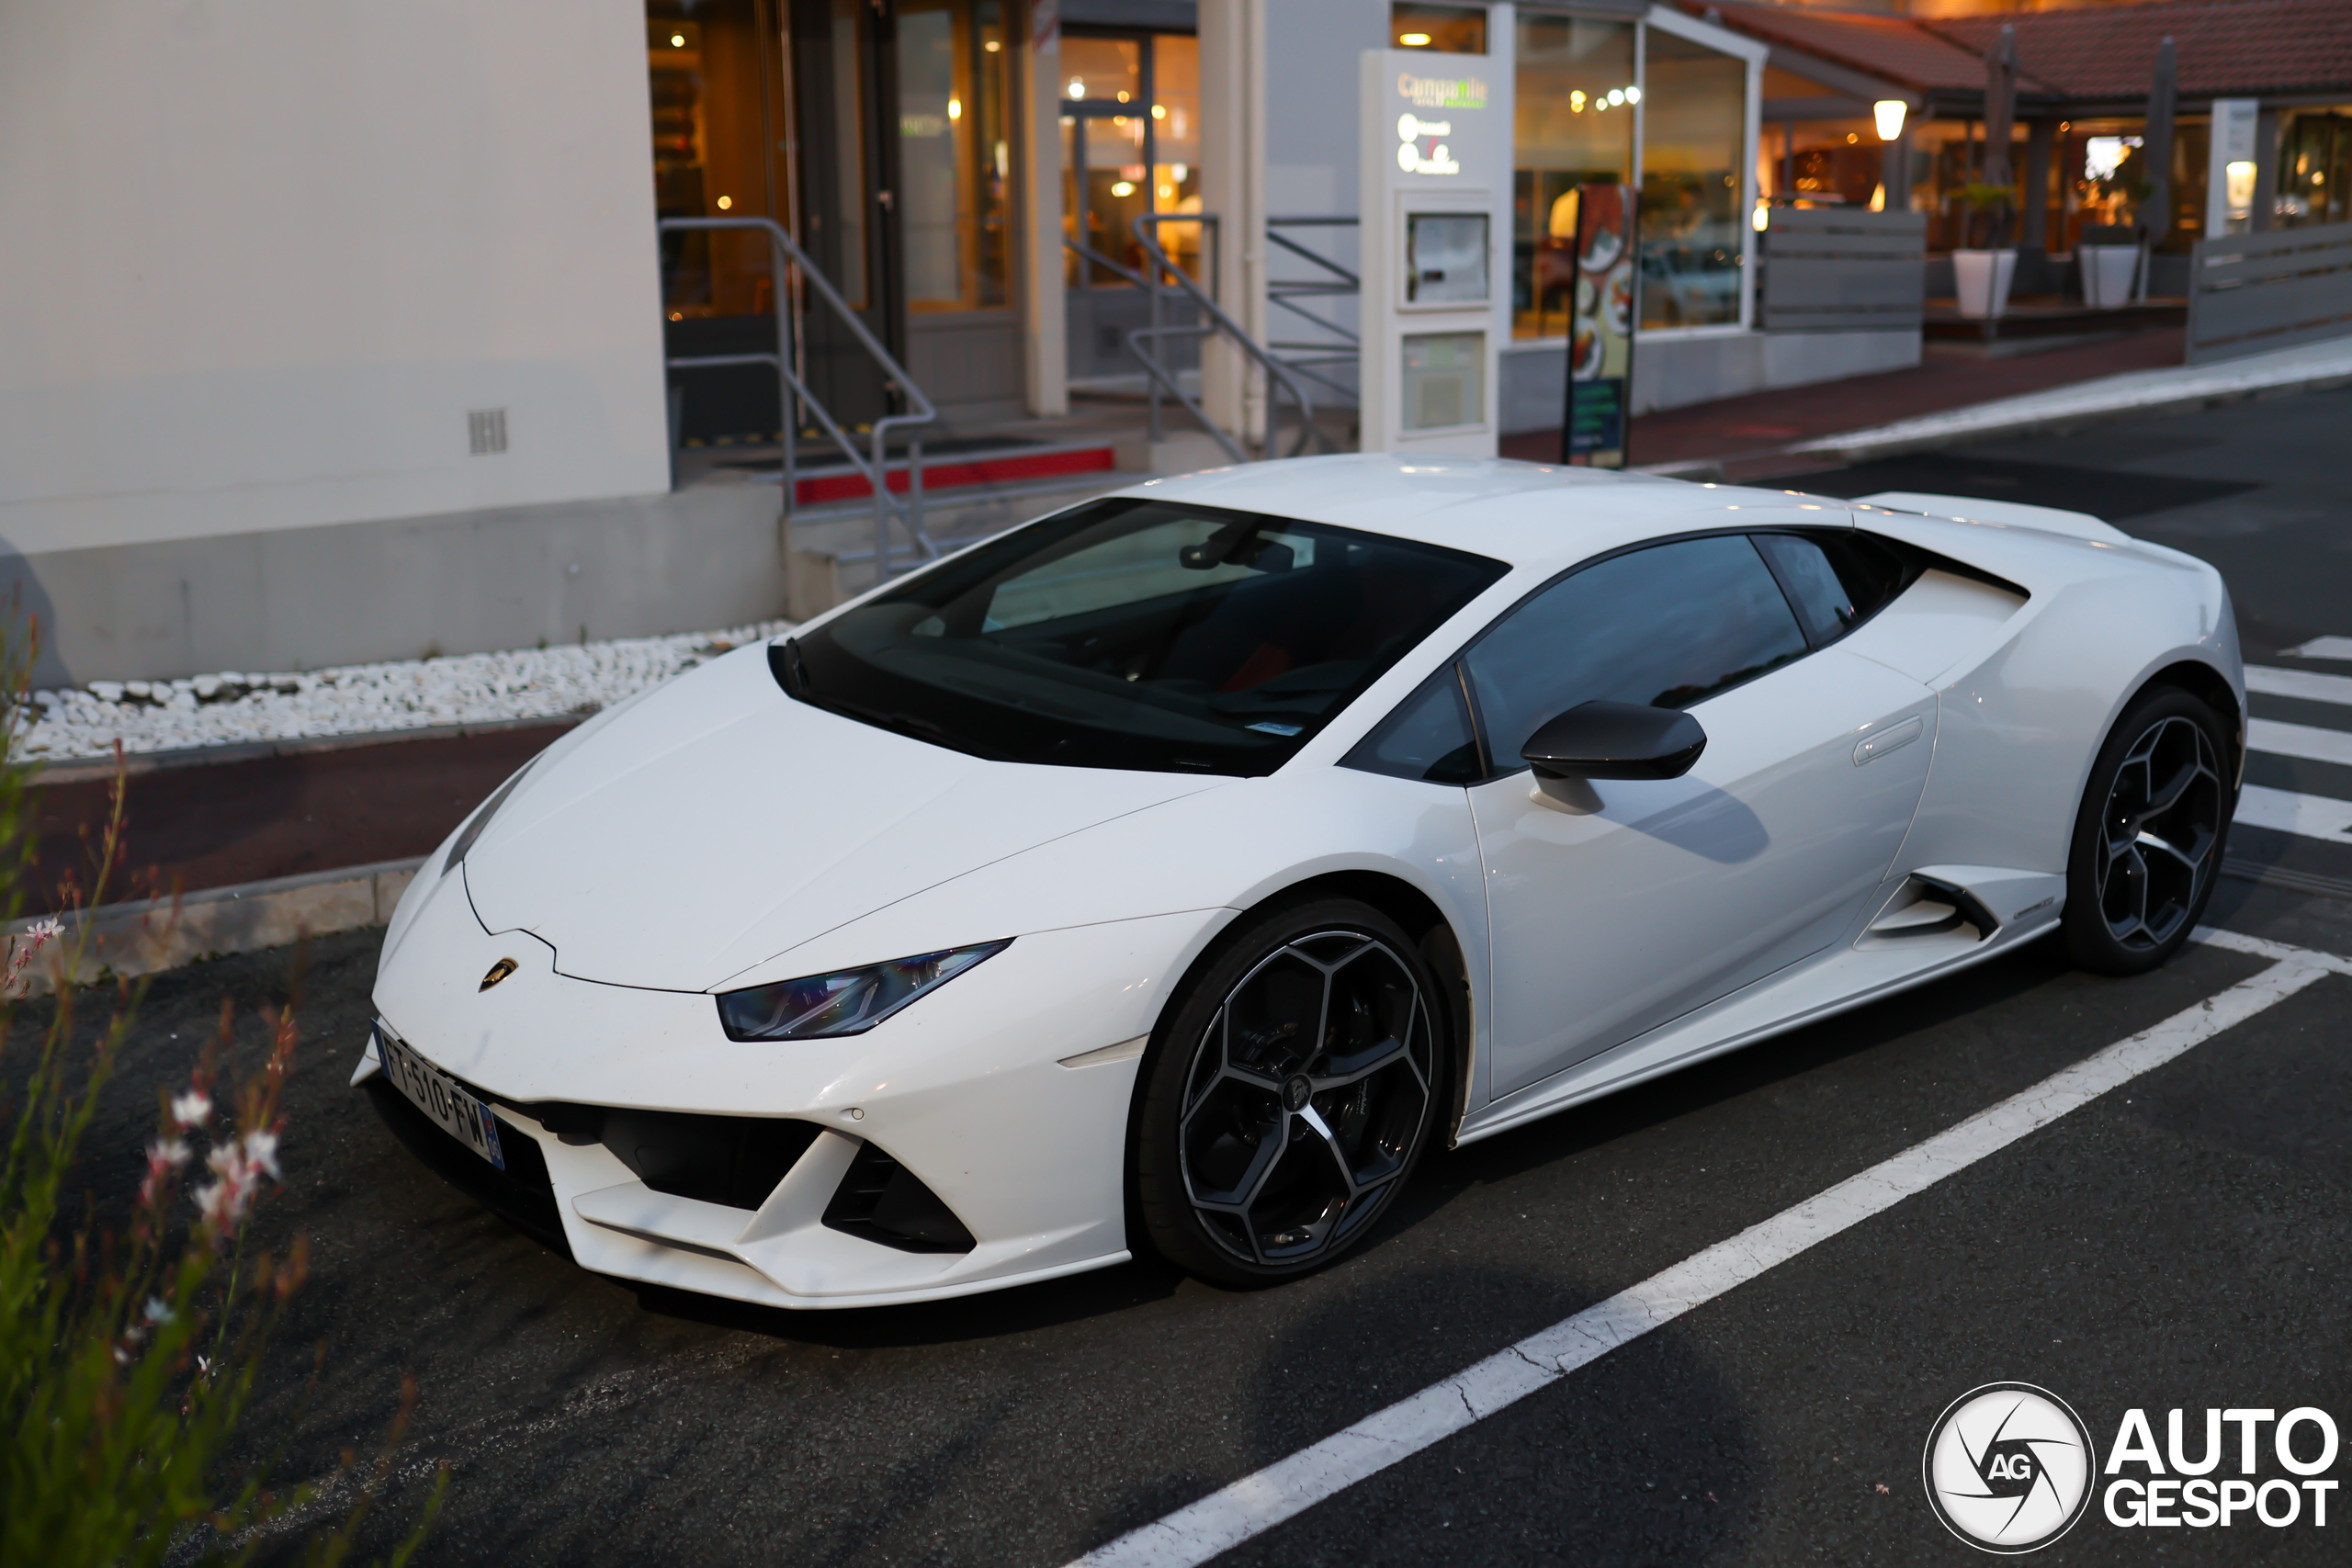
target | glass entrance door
[
  {"x": 1131, "y": 144},
  {"x": 751, "y": 120}
]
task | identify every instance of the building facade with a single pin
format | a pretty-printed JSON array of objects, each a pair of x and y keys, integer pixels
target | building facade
[{"x": 336, "y": 331}]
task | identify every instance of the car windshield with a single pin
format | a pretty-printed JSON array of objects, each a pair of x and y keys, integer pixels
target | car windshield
[{"x": 1135, "y": 634}]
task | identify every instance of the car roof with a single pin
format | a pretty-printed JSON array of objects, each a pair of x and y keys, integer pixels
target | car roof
[{"x": 1525, "y": 514}]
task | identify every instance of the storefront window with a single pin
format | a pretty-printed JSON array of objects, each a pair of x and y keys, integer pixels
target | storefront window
[
  {"x": 1693, "y": 130},
  {"x": 1566, "y": 132},
  {"x": 2315, "y": 168},
  {"x": 954, "y": 162}
]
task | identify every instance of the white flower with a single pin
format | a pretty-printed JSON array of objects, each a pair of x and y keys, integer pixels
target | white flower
[
  {"x": 190, "y": 1109},
  {"x": 261, "y": 1152},
  {"x": 158, "y": 1310},
  {"x": 169, "y": 1152},
  {"x": 45, "y": 929}
]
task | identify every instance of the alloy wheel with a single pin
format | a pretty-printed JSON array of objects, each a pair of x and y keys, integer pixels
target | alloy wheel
[
  {"x": 1308, "y": 1094},
  {"x": 2158, "y": 832}
]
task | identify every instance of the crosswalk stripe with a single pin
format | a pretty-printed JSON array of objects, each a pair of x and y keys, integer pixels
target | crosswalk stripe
[
  {"x": 2307, "y": 741},
  {"x": 2284, "y": 811},
  {"x": 2311, "y": 685}
]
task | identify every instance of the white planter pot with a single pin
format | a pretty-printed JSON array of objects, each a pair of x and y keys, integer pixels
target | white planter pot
[
  {"x": 1984, "y": 278},
  {"x": 2107, "y": 275}
]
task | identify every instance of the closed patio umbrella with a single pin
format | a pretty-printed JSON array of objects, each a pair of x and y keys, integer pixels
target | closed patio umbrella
[
  {"x": 2156, "y": 144},
  {"x": 2000, "y": 105}
]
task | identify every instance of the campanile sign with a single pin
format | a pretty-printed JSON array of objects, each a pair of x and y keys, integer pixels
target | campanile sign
[{"x": 1436, "y": 185}]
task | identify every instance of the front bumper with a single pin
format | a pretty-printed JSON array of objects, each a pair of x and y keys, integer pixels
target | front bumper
[{"x": 966, "y": 1091}]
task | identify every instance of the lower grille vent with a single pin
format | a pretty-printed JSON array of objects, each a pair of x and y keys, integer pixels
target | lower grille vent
[
  {"x": 879, "y": 1199},
  {"x": 731, "y": 1160}
]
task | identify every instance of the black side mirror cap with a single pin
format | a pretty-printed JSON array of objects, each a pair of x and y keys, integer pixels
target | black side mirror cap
[{"x": 1615, "y": 740}]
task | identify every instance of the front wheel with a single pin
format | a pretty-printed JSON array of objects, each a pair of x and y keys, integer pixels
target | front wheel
[
  {"x": 1290, "y": 1095},
  {"x": 2148, "y": 838}
]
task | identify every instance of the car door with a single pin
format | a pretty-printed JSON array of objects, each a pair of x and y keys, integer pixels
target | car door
[{"x": 1635, "y": 901}]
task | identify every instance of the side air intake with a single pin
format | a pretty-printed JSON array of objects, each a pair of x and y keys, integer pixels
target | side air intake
[
  {"x": 1925, "y": 906},
  {"x": 879, "y": 1199}
]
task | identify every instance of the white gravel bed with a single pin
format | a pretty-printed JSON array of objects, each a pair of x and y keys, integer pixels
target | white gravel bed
[{"x": 233, "y": 707}]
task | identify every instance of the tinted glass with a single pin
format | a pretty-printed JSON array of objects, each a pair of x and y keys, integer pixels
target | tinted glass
[
  {"x": 1665, "y": 626},
  {"x": 1135, "y": 634},
  {"x": 1836, "y": 581},
  {"x": 1428, "y": 736}
]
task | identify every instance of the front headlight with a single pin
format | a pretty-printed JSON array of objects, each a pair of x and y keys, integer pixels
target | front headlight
[{"x": 849, "y": 1001}]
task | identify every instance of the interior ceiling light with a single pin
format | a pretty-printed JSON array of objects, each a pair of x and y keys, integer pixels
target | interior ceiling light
[
  {"x": 1414, "y": 41},
  {"x": 725, "y": 202},
  {"x": 1077, "y": 87},
  {"x": 677, "y": 41}
]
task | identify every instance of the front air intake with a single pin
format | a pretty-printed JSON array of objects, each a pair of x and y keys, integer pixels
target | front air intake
[
  {"x": 731, "y": 1160},
  {"x": 879, "y": 1199}
]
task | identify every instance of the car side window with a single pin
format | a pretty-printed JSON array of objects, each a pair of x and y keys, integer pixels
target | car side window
[
  {"x": 1836, "y": 580},
  {"x": 1428, "y": 738},
  {"x": 1665, "y": 626}
]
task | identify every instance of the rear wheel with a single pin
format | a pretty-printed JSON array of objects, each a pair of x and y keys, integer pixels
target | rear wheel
[
  {"x": 1290, "y": 1096},
  {"x": 2148, "y": 838}
]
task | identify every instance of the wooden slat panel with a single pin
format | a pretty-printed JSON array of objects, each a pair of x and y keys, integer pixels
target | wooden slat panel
[
  {"x": 1829, "y": 270},
  {"x": 2249, "y": 293}
]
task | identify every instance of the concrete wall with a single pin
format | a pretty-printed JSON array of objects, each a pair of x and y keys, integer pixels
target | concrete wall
[
  {"x": 1674, "y": 370},
  {"x": 276, "y": 599},
  {"x": 261, "y": 260}
]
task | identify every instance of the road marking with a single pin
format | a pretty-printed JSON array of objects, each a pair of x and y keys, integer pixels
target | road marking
[
  {"x": 1258, "y": 1502},
  {"x": 2321, "y": 647},
  {"x": 2308, "y": 684},
  {"x": 2305, "y": 740},
  {"x": 2284, "y": 811}
]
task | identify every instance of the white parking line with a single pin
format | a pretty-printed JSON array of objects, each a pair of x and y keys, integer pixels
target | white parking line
[
  {"x": 2311, "y": 685},
  {"x": 2284, "y": 811},
  {"x": 2305, "y": 740},
  {"x": 2321, "y": 647},
  {"x": 1258, "y": 1502}
]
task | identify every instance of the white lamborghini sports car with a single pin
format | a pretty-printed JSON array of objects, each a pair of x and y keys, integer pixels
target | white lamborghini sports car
[{"x": 1171, "y": 872}]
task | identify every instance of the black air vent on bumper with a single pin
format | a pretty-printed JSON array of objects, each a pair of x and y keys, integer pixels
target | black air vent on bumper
[
  {"x": 879, "y": 1199},
  {"x": 733, "y": 1160}
]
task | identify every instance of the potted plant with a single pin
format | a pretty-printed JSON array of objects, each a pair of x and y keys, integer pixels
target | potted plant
[
  {"x": 2109, "y": 252},
  {"x": 1982, "y": 278}
]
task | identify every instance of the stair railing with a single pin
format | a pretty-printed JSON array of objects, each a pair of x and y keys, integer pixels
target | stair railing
[
  {"x": 789, "y": 262},
  {"x": 1340, "y": 346}
]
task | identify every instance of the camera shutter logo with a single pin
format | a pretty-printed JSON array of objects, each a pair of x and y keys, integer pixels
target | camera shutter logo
[{"x": 2010, "y": 1467}]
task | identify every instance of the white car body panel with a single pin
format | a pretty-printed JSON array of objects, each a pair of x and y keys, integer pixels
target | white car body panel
[
  {"x": 1669, "y": 892},
  {"x": 718, "y": 834}
]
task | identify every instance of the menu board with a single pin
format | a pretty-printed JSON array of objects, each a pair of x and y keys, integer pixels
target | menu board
[{"x": 1604, "y": 280}]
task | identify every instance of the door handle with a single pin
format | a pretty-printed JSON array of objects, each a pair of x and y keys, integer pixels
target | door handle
[{"x": 1870, "y": 748}]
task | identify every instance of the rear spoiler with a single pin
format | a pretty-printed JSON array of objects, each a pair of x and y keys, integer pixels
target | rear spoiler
[{"x": 2008, "y": 514}]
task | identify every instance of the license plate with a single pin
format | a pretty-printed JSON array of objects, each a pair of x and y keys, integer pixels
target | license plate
[{"x": 436, "y": 1094}]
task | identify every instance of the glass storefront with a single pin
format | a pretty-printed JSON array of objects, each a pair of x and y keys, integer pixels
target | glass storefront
[
  {"x": 955, "y": 164},
  {"x": 2315, "y": 184},
  {"x": 1566, "y": 133},
  {"x": 1694, "y": 133},
  {"x": 716, "y": 72}
]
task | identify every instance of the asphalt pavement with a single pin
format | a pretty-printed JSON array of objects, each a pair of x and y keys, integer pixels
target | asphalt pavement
[{"x": 2181, "y": 1241}]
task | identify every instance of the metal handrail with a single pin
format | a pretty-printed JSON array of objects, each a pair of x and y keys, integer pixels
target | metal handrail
[
  {"x": 1279, "y": 378},
  {"x": 790, "y": 260},
  {"x": 1302, "y": 354}
]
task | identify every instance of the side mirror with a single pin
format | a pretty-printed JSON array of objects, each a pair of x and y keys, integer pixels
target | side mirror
[{"x": 1615, "y": 740}]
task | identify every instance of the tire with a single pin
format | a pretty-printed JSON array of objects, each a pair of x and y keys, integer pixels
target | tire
[
  {"x": 1289, "y": 1094},
  {"x": 2149, "y": 836}
]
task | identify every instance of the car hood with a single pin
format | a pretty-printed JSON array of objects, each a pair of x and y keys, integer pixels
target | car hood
[{"x": 718, "y": 823}]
